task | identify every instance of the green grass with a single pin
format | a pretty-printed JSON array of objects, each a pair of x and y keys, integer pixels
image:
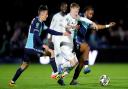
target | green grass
[{"x": 37, "y": 76}]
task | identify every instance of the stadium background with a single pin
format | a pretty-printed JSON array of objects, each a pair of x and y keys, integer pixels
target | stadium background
[
  {"x": 16, "y": 15},
  {"x": 112, "y": 45}
]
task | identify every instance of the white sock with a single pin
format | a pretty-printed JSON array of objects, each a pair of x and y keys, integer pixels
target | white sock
[
  {"x": 85, "y": 66},
  {"x": 92, "y": 57},
  {"x": 12, "y": 81}
]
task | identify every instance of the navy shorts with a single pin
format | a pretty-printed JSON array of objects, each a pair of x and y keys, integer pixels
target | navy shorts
[{"x": 30, "y": 54}]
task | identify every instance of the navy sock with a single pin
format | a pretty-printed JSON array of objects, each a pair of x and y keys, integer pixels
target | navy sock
[
  {"x": 86, "y": 62},
  {"x": 53, "y": 64},
  {"x": 17, "y": 74},
  {"x": 77, "y": 71}
]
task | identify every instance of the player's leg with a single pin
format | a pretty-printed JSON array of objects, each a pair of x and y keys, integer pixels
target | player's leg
[
  {"x": 55, "y": 75},
  {"x": 82, "y": 55},
  {"x": 71, "y": 60},
  {"x": 77, "y": 72},
  {"x": 67, "y": 67},
  {"x": 28, "y": 54},
  {"x": 19, "y": 71},
  {"x": 49, "y": 52},
  {"x": 57, "y": 51},
  {"x": 85, "y": 49},
  {"x": 58, "y": 59},
  {"x": 66, "y": 52}
]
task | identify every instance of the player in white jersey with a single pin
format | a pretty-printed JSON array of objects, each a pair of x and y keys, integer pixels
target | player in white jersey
[
  {"x": 69, "y": 24},
  {"x": 56, "y": 24},
  {"x": 81, "y": 44}
]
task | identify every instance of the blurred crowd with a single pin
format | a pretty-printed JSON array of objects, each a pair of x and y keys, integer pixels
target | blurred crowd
[
  {"x": 116, "y": 37},
  {"x": 14, "y": 26},
  {"x": 13, "y": 37}
]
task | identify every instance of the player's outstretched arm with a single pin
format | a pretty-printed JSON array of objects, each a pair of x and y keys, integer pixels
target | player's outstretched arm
[
  {"x": 53, "y": 32},
  {"x": 100, "y": 27}
]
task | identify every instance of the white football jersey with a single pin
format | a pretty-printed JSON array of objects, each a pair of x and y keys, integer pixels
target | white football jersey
[
  {"x": 68, "y": 20},
  {"x": 56, "y": 23}
]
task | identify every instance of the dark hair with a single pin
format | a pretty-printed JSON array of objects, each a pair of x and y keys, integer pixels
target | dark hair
[
  {"x": 42, "y": 8},
  {"x": 89, "y": 7},
  {"x": 63, "y": 3}
]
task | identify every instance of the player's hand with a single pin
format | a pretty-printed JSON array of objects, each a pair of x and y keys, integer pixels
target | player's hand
[
  {"x": 67, "y": 33},
  {"x": 111, "y": 24},
  {"x": 46, "y": 47},
  {"x": 76, "y": 27}
]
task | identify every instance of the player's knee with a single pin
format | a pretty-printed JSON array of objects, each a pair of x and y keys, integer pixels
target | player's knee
[
  {"x": 84, "y": 47},
  {"x": 85, "y": 56},
  {"x": 74, "y": 62},
  {"x": 47, "y": 53},
  {"x": 24, "y": 65},
  {"x": 51, "y": 52}
]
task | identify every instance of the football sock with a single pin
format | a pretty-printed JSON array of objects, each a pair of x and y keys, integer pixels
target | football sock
[
  {"x": 86, "y": 64},
  {"x": 17, "y": 74},
  {"x": 53, "y": 64},
  {"x": 77, "y": 71}
]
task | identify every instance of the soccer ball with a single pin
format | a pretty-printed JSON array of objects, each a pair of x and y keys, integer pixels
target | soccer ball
[{"x": 104, "y": 80}]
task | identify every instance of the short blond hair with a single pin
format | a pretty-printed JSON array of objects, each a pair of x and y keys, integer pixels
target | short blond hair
[{"x": 74, "y": 5}]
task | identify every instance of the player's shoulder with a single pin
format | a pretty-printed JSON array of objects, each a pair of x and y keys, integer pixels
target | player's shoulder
[
  {"x": 57, "y": 15},
  {"x": 35, "y": 20},
  {"x": 85, "y": 20},
  {"x": 67, "y": 17}
]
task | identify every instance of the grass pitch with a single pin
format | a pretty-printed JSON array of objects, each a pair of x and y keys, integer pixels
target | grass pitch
[{"x": 37, "y": 76}]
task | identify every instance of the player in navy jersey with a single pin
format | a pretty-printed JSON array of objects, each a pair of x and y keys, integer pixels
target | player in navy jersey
[
  {"x": 81, "y": 46},
  {"x": 34, "y": 44}
]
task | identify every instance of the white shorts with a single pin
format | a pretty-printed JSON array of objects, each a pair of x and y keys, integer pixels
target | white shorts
[
  {"x": 66, "y": 52},
  {"x": 69, "y": 56},
  {"x": 56, "y": 41}
]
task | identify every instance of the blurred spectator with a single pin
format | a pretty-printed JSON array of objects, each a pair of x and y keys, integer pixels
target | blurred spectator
[
  {"x": 17, "y": 39},
  {"x": 6, "y": 34},
  {"x": 93, "y": 40},
  {"x": 119, "y": 33},
  {"x": 97, "y": 42},
  {"x": 12, "y": 38}
]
